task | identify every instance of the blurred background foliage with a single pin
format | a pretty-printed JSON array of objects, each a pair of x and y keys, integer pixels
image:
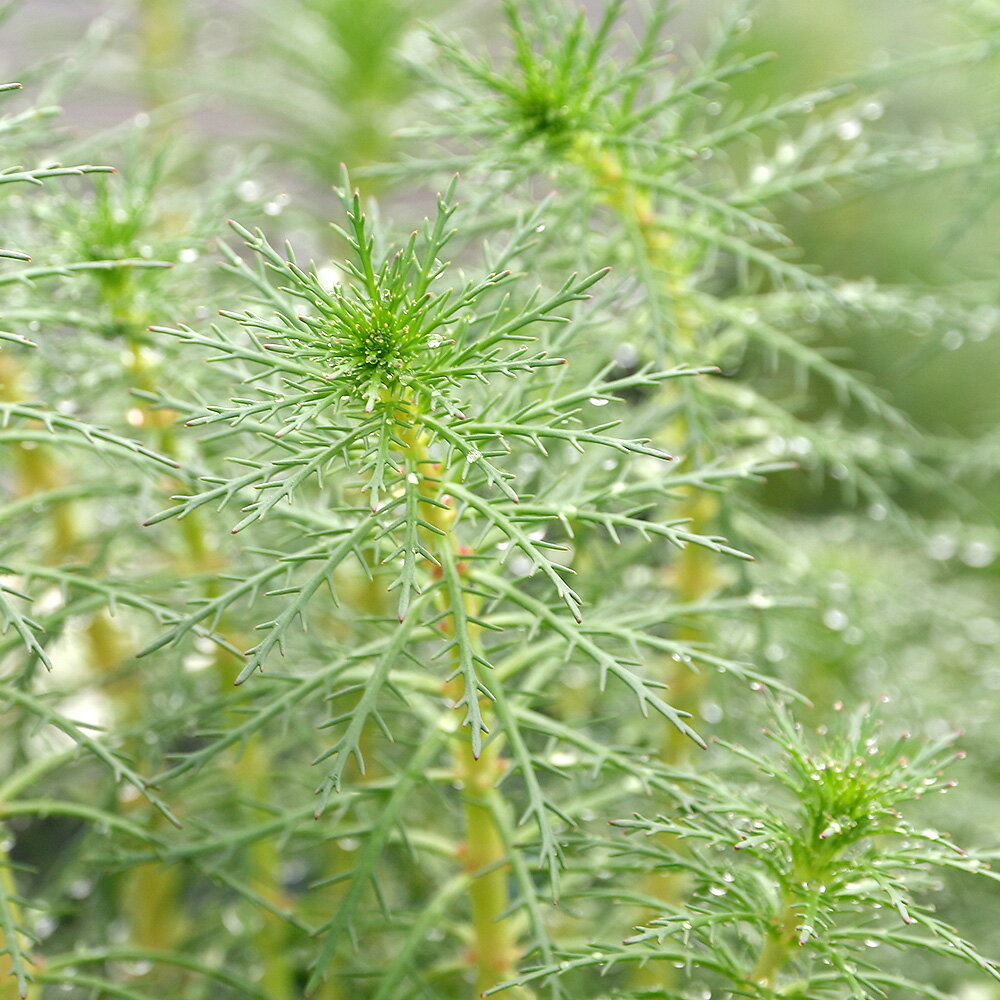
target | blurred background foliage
[{"x": 321, "y": 82}]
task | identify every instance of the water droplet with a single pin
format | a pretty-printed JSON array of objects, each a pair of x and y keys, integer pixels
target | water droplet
[
  {"x": 598, "y": 401},
  {"x": 849, "y": 130},
  {"x": 984, "y": 631},
  {"x": 712, "y": 713},
  {"x": 952, "y": 340},
  {"x": 835, "y": 619},
  {"x": 80, "y": 888},
  {"x": 942, "y": 547},
  {"x": 188, "y": 255},
  {"x": 877, "y": 512},
  {"x": 786, "y": 153},
  {"x": 978, "y": 554}
]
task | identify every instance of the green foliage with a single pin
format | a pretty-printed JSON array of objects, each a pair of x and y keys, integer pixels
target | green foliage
[
  {"x": 338, "y": 74},
  {"x": 827, "y": 870},
  {"x": 506, "y": 525}
]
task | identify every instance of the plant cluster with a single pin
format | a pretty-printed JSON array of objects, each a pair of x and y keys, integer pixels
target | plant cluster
[{"x": 408, "y": 628}]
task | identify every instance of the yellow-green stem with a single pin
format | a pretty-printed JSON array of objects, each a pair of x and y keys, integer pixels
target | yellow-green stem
[
  {"x": 695, "y": 576},
  {"x": 38, "y": 473},
  {"x": 161, "y": 42},
  {"x": 777, "y": 947},
  {"x": 494, "y": 947},
  {"x": 9, "y": 989},
  {"x": 200, "y": 555},
  {"x": 495, "y": 951},
  {"x": 271, "y": 939}
]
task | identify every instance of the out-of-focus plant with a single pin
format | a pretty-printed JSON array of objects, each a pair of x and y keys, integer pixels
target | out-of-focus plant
[{"x": 340, "y": 74}]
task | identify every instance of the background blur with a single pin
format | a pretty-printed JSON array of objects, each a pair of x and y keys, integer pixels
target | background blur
[
  {"x": 298, "y": 86},
  {"x": 327, "y": 81}
]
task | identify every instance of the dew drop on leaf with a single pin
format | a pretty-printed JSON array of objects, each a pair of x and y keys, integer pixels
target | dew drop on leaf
[{"x": 849, "y": 130}]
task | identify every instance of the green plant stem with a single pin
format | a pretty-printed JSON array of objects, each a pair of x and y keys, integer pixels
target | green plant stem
[
  {"x": 10, "y": 988},
  {"x": 27, "y": 775},
  {"x": 777, "y": 947},
  {"x": 252, "y": 773},
  {"x": 200, "y": 554},
  {"x": 153, "y": 892},
  {"x": 695, "y": 577},
  {"x": 161, "y": 42},
  {"x": 38, "y": 473},
  {"x": 494, "y": 951}
]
